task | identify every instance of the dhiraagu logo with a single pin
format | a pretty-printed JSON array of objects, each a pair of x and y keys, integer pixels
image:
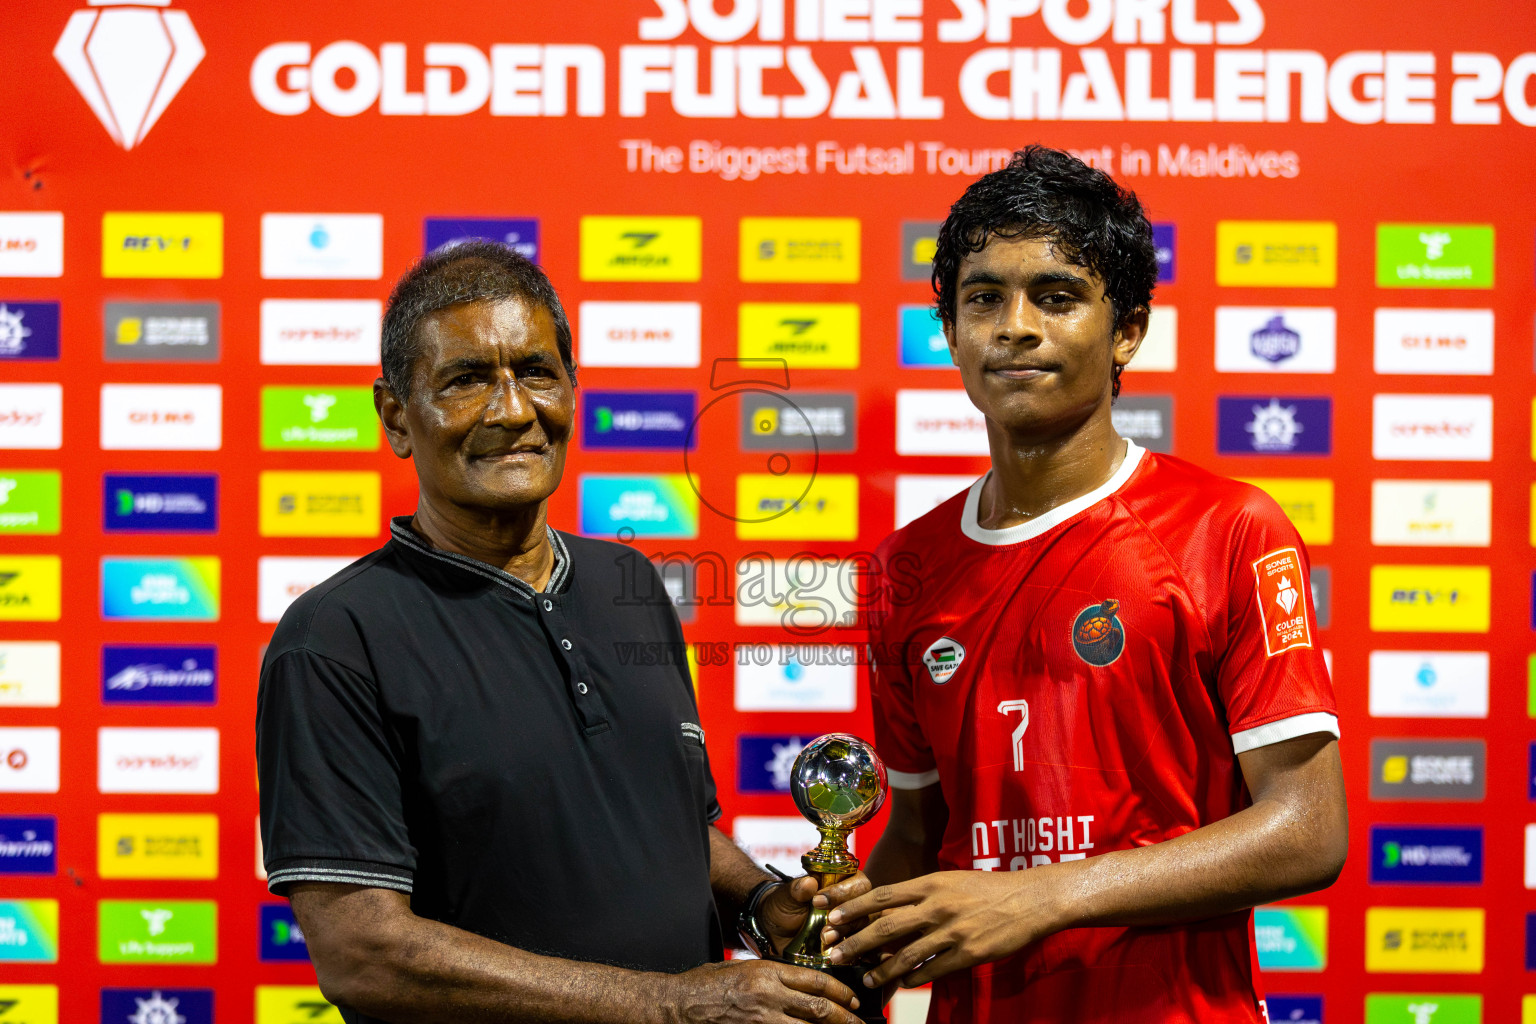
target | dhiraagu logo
[
  {"x": 29, "y": 931},
  {"x": 641, "y": 248},
  {"x": 160, "y": 931},
  {"x": 644, "y": 506},
  {"x": 1435, "y": 1008},
  {"x": 29, "y": 501},
  {"x": 160, "y": 589},
  {"x": 340, "y": 419},
  {"x": 1434, "y": 255},
  {"x": 1291, "y": 938}
]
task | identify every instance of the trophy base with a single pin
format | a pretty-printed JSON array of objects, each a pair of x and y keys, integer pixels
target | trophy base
[{"x": 871, "y": 1007}]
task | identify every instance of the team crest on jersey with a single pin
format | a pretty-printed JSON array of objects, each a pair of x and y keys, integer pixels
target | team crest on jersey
[
  {"x": 942, "y": 657},
  {"x": 1097, "y": 635}
]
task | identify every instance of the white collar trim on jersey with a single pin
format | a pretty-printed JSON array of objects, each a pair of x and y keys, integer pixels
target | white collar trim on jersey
[{"x": 970, "y": 520}]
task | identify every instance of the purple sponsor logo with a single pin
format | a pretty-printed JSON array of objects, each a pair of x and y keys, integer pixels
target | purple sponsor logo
[
  {"x": 186, "y": 674},
  {"x": 1274, "y": 425},
  {"x": 28, "y": 845},
  {"x": 29, "y": 330},
  {"x": 1162, "y": 241}
]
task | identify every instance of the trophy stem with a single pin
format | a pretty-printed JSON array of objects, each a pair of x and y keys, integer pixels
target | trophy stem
[{"x": 830, "y": 863}]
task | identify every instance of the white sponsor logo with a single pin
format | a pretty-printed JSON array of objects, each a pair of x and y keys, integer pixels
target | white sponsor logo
[
  {"x": 161, "y": 417},
  {"x": 790, "y": 684},
  {"x": 939, "y": 423},
  {"x": 280, "y": 581},
  {"x": 918, "y": 495},
  {"x": 1264, "y": 339},
  {"x": 1421, "y": 427},
  {"x": 129, "y": 63},
  {"x": 29, "y": 760},
  {"x": 1429, "y": 684},
  {"x": 805, "y": 592},
  {"x": 31, "y": 416},
  {"x": 1159, "y": 350},
  {"x": 311, "y": 246},
  {"x": 31, "y": 245},
  {"x": 29, "y": 674},
  {"x": 1439, "y": 341},
  {"x": 320, "y": 332},
  {"x": 1530, "y": 856},
  {"x": 777, "y": 841},
  {"x": 1450, "y": 513},
  {"x": 640, "y": 334},
  {"x": 157, "y": 760}
]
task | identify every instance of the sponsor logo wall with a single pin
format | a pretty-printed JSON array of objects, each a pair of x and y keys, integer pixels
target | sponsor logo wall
[{"x": 191, "y": 290}]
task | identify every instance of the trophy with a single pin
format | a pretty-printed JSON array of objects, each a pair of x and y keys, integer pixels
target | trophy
[{"x": 838, "y": 783}]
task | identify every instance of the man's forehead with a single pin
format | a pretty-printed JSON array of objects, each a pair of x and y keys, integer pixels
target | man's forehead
[
  {"x": 1030, "y": 254},
  {"x": 509, "y": 324}
]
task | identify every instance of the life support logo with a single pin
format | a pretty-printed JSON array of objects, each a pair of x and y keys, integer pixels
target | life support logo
[
  {"x": 943, "y": 657},
  {"x": 129, "y": 63},
  {"x": 1097, "y": 635}
]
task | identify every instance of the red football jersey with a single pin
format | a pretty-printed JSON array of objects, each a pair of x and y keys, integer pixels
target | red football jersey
[{"x": 1082, "y": 683}]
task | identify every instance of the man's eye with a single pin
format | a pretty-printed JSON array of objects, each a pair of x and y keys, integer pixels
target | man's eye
[{"x": 462, "y": 380}]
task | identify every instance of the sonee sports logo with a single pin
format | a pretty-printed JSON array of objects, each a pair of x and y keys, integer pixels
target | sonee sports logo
[
  {"x": 943, "y": 657},
  {"x": 129, "y": 63},
  {"x": 1097, "y": 635}
]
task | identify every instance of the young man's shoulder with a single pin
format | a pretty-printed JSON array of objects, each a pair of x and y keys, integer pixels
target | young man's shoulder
[{"x": 1183, "y": 503}]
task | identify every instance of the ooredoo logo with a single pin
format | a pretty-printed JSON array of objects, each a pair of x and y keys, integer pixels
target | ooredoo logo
[
  {"x": 938, "y": 423},
  {"x": 129, "y": 62},
  {"x": 157, "y": 760}
]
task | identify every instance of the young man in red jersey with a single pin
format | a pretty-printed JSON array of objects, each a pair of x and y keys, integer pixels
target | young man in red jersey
[{"x": 1102, "y": 669}]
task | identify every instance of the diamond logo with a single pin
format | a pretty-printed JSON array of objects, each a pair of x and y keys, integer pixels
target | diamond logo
[{"x": 129, "y": 62}]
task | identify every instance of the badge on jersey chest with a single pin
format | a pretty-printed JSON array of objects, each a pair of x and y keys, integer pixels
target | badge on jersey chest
[
  {"x": 1282, "y": 606},
  {"x": 1097, "y": 635},
  {"x": 942, "y": 657}
]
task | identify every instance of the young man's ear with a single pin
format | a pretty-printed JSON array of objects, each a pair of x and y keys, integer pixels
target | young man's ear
[
  {"x": 392, "y": 415},
  {"x": 1129, "y": 336}
]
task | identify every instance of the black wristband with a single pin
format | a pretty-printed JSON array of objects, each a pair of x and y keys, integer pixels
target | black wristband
[{"x": 747, "y": 923}]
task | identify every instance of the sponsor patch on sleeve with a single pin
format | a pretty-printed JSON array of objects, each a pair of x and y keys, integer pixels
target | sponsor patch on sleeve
[{"x": 1282, "y": 601}]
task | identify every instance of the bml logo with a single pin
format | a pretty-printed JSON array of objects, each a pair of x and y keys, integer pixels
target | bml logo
[{"x": 129, "y": 62}]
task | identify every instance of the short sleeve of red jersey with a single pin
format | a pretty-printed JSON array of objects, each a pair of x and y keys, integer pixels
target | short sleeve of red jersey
[
  {"x": 899, "y": 740},
  {"x": 1272, "y": 677}
]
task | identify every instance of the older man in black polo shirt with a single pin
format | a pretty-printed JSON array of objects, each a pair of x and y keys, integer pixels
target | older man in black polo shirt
[{"x": 478, "y": 810}]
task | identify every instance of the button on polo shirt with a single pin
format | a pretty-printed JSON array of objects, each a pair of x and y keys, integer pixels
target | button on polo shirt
[{"x": 525, "y": 765}]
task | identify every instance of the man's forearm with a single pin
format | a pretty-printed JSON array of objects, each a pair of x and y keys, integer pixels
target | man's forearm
[
  {"x": 396, "y": 966},
  {"x": 732, "y": 876}
]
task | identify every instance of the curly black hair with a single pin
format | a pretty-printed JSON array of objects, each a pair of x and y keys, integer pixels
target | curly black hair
[
  {"x": 1089, "y": 220},
  {"x": 474, "y": 271}
]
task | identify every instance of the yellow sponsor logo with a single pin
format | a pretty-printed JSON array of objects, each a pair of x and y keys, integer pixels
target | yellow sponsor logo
[
  {"x": 1430, "y": 598},
  {"x": 924, "y": 249},
  {"x": 691, "y": 654},
  {"x": 797, "y": 506},
  {"x": 29, "y": 588},
  {"x": 1528, "y": 1010},
  {"x": 1423, "y": 940},
  {"x": 319, "y": 505},
  {"x": 29, "y": 1004},
  {"x": 800, "y": 249},
  {"x": 294, "y": 1004},
  {"x": 130, "y": 329},
  {"x": 1306, "y": 502},
  {"x": 162, "y": 245},
  {"x": 157, "y": 846},
  {"x": 641, "y": 248},
  {"x": 1277, "y": 253},
  {"x": 805, "y": 334},
  {"x": 1394, "y": 769}
]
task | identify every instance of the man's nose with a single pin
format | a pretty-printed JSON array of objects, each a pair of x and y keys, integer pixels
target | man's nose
[
  {"x": 1018, "y": 321},
  {"x": 510, "y": 405}
]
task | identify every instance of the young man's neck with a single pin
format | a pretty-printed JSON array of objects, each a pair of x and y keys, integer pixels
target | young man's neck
[
  {"x": 1032, "y": 475},
  {"x": 518, "y": 544}
]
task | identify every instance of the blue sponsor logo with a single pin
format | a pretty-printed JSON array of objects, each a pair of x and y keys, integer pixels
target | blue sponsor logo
[
  {"x": 1268, "y": 425},
  {"x": 28, "y": 845},
  {"x": 638, "y": 419},
  {"x": 160, "y": 503},
  {"x": 1162, "y": 241},
  {"x": 1530, "y": 942},
  {"x": 187, "y": 674},
  {"x": 922, "y": 338},
  {"x": 1275, "y": 341},
  {"x": 29, "y": 330},
  {"x": 763, "y": 762},
  {"x": 157, "y": 1006},
  {"x": 281, "y": 938},
  {"x": 1530, "y": 775},
  {"x": 1295, "y": 1009},
  {"x": 522, "y": 235},
  {"x": 1422, "y": 855}
]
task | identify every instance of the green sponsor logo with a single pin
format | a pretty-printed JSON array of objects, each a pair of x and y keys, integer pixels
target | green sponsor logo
[
  {"x": 164, "y": 931},
  {"x": 1383, "y": 1008},
  {"x": 604, "y": 419},
  {"x": 1530, "y": 687},
  {"x": 319, "y": 417},
  {"x": 1391, "y": 854},
  {"x": 29, "y": 501},
  {"x": 1434, "y": 255}
]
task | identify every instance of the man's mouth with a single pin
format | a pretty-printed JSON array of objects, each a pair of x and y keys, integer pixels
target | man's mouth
[{"x": 1025, "y": 372}]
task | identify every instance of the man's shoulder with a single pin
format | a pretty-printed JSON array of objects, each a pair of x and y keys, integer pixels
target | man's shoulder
[
  {"x": 1169, "y": 489},
  {"x": 325, "y": 618},
  {"x": 940, "y": 525}
]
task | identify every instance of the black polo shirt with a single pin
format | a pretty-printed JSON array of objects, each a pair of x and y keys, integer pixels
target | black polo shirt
[{"x": 527, "y": 766}]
